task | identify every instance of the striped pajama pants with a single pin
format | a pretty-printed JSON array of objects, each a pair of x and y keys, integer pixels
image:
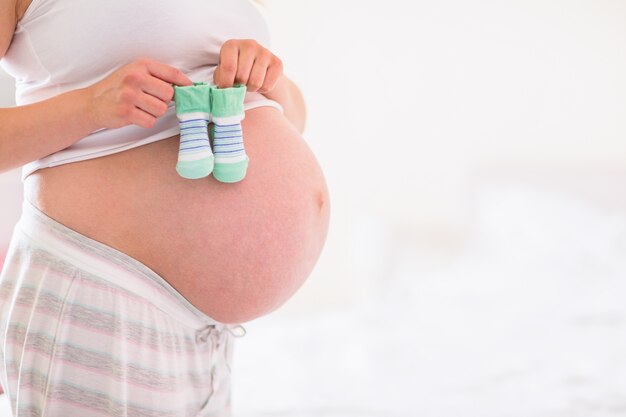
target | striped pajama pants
[{"x": 86, "y": 330}]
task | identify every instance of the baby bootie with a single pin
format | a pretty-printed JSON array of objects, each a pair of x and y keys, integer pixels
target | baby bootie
[
  {"x": 231, "y": 161},
  {"x": 193, "y": 109}
]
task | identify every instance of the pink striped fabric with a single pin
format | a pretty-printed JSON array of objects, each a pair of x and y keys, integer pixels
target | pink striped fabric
[{"x": 88, "y": 330}]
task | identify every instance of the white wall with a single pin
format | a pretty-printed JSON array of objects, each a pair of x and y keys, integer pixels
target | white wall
[{"x": 416, "y": 106}]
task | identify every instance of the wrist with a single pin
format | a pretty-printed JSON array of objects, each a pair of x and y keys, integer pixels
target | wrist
[
  {"x": 280, "y": 92},
  {"x": 83, "y": 98}
]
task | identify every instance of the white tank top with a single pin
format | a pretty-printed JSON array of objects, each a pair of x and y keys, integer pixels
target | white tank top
[{"x": 62, "y": 45}]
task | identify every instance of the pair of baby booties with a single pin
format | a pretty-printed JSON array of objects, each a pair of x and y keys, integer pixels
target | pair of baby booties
[{"x": 197, "y": 106}]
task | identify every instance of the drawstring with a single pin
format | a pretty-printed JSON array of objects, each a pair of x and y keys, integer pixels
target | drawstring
[
  {"x": 217, "y": 334},
  {"x": 236, "y": 326}
]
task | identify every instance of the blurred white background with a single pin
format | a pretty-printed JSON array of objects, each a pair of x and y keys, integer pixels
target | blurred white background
[{"x": 476, "y": 261}]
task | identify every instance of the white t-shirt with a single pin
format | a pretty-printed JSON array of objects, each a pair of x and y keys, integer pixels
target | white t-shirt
[{"x": 63, "y": 45}]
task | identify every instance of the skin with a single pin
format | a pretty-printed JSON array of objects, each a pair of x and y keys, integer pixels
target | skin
[{"x": 272, "y": 225}]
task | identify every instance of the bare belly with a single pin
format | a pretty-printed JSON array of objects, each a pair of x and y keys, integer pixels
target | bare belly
[{"x": 235, "y": 251}]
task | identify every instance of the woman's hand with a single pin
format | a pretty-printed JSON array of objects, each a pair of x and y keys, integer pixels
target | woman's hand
[
  {"x": 244, "y": 61},
  {"x": 137, "y": 93}
]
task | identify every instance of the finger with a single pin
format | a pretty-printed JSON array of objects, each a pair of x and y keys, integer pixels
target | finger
[
  {"x": 151, "y": 105},
  {"x": 142, "y": 119},
  {"x": 167, "y": 73},
  {"x": 272, "y": 76},
  {"x": 245, "y": 64},
  {"x": 227, "y": 67},
  {"x": 159, "y": 89},
  {"x": 257, "y": 76}
]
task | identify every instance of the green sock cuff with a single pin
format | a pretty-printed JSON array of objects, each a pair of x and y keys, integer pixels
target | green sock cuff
[
  {"x": 226, "y": 102},
  {"x": 193, "y": 99}
]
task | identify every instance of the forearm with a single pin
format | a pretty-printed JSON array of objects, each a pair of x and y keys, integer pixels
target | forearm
[
  {"x": 31, "y": 132},
  {"x": 291, "y": 99}
]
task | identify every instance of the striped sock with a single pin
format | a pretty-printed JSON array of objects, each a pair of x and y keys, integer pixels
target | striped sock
[
  {"x": 193, "y": 108},
  {"x": 231, "y": 160}
]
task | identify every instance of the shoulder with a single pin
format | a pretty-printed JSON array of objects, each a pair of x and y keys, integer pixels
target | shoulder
[{"x": 8, "y": 20}]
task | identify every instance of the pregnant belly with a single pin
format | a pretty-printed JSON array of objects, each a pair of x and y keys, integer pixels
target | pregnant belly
[{"x": 235, "y": 251}]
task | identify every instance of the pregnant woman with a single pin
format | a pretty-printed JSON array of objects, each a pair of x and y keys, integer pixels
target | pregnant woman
[{"x": 125, "y": 283}]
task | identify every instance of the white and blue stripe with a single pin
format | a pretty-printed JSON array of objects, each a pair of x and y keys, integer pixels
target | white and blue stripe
[
  {"x": 228, "y": 143},
  {"x": 194, "y": 138}
]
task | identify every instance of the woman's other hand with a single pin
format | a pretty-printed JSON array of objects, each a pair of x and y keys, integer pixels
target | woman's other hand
[
  {"x": 245, "y": 61},
  {"x": 138, "y": 94}
]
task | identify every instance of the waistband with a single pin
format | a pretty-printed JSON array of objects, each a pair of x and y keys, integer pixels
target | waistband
[{"x": 113, "y": 266}]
